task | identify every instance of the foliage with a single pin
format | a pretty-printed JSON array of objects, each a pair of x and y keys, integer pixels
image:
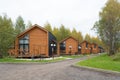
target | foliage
[
  {"x": 29, "y": 24},
  {"x": 87, "y": 38},
  {"x": 65, "y": 31},
  {"x": 58, "y": 32},
  {"x": 6, "y": 34},
  {"x": 79, "y": 37},
  {"x": 116, "y": 57},
  {"x": 97, "y": 41},
  {"x": 108, "y": 26},
  {"x": 48, "y": 27},
  {"x": 19, "y": 25},
  {"x": 102, "y": 61}
]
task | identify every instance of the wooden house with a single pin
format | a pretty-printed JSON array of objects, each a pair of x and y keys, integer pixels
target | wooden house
[
  {"x": 100, "y": 49},
  {"x": 68, "y": 45},
  {"x": 94, "y": 48},
  {"x": 34, "y": 42},
  {"x": 85, "y": 47}
]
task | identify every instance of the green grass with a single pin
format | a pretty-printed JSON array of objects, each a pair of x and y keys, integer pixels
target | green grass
[
  {"x": 102, "y": 61},
  {"x": 72, "y": 56},
  {"x": 14, "y": 60}
]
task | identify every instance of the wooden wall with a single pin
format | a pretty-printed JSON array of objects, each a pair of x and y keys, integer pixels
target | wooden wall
[
  {"x": 84, "y": 49},
  {"x": 70, "y": 42},
  {"x": 38, "y": 42},
  {"x": 95, "y": 48}
]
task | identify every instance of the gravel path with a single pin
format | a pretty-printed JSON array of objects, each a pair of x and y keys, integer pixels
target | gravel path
[{"x": 53, "y": 71}]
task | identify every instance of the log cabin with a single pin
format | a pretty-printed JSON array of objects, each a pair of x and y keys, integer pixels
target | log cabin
[
  {"x": 68, "y": 46},
  {"x": 34, "y": 42},
  {"x": 85, "y": 47},
  {"x": 94, "y": 48}
]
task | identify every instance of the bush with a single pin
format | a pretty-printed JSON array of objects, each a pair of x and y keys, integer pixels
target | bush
[
  {"x": 1, "y": 56},
  {"x": 116, "y": 57}
]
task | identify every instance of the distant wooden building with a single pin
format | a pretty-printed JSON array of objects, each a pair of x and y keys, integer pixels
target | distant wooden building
[
  {"x": 34, "y": 42},
  {"x": 68, "y": 45},
  {"x": 85, "y": 47},
  {"x": 94, "y": 48},
  {"x": 100, "y": 49}
]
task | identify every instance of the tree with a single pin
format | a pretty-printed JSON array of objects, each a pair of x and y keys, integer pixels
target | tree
[
  {"x": 87, "y": 38},
  {"x": 29, "y": 24},
  {"x": 97, "y": 41},
  {"x": 80, "y": 37},
  {"x": 64, "y": 32},
  {"x": 19, "y": 25},
  {"x": 48, "y": 27},
  {"x": 74, "y": 33},
  {"x": 108, "y": 26},
  {"x": 77, "y": 35},
  {"x": 6, "y": 34},
  {"x": 56, "y": 33}
]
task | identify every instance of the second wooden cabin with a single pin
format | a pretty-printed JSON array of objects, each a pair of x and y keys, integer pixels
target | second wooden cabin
[
  {"x": 94, "y": 48},
  {"x": 85, "y": 47},
  {"x": 68, "y": 45}
]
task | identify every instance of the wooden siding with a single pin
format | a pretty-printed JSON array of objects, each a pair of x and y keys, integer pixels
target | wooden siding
[
  {"x": 84, "y": 49},
  {"x": 38, "y": 43},
  {"x": 95, "y": 48},
  {"x": 70, "y": 41}
]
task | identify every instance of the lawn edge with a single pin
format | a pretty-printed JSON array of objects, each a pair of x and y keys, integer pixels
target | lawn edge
[
  {"x": 97, "y": 70},
  {"x": 33, "y": 62}
]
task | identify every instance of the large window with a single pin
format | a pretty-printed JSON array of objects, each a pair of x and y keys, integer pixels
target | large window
[
  {"x": 24, "y": 43},
  {"x": 62, "y": 45}
]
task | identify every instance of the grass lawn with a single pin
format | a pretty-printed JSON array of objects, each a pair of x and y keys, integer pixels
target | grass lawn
[
  {"x": 102, "y": 61},
  {"x": 72, "y": 56},
  {"x": 15, "y": 60}
]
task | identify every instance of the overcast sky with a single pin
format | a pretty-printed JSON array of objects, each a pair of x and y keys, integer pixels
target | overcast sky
[{"x": 80, "y": 14}]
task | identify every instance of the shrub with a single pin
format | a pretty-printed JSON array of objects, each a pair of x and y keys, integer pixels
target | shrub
[{"x": 116, "y": 57}]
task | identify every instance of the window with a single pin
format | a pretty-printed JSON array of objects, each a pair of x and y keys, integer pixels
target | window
[
  {"x": 24, "y": 43},
  {"x": 86, "y": 45},
  {"x": 94, "y": 46}
]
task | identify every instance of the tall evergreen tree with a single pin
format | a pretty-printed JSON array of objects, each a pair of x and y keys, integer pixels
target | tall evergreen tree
[
  {"x": 29, "y": 24},
  {"x": 87, "y": 38},
  {"x": 79, "y": 37},
  {"x": 48, "y": 27},
  {"x": 19, "y": 25},
  {"x": 74, "y": 33},
  {"x": 65, "y": 31}
]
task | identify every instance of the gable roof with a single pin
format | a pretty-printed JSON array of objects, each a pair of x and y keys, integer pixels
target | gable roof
[
  {"x": 32, "y": 27},
  {"x": 94, "y": 43},
  {"x": 85, "y": 41},
  {"x": 68, "y": 38}
]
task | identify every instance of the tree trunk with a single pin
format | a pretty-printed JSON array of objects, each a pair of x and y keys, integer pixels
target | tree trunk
[{"x": 111, "y": 47}]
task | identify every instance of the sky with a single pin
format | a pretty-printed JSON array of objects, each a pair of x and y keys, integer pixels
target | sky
[{"x": 78, "y": 14}]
